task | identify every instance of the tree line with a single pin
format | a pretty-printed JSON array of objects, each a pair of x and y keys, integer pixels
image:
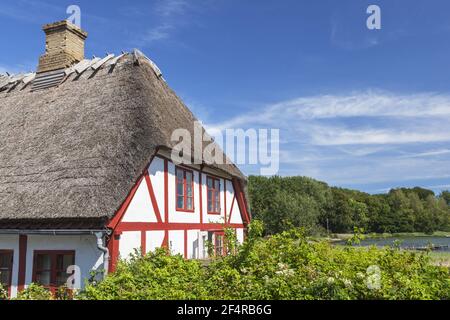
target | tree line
[{"x": 286, "y": 202}]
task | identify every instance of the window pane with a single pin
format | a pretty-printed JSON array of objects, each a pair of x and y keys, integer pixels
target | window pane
[
  {"x": 180, "y": 202},
  {"x": 188, "y": 177},
  {"x": 63, "y": 261},
  {"x": 216, "y": 196},
  {"x": 189, "y": 190},
  {"x": 209, "y": 195},
  {"x": 210, "y": 183},
  {"x": 217, "y": 185},
  {"x": 179, "y": 174},
  {"x": 5, "y": 260},
  {"x": 180, "y": 189},
  {"x": 5, "y": 275},
  {"x": 43, "y": 278},
  {"x": 190, "y": 204},
  {"x": 61, "y": 278},
  {"x": 219, "y": 244},
  {"x": 210, "y": 209},
  {"x": 44, "y": 262}
]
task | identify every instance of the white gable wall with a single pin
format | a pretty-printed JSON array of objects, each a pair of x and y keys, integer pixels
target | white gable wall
[
  {"x": 140, "y": 210},
  {"x": 141, "y": 207},
  {"x": 129, "y": 242},
  {"x": 154, "y": 240},
  {"x": 176, "y": 241},
  {"x": 156, "y": 174}
]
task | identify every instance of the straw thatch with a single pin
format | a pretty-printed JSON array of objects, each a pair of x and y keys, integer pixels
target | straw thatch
[{"x": 69, "y": 155}]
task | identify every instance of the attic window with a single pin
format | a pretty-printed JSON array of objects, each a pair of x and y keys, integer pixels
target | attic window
[{"x": 184, "y": 189}]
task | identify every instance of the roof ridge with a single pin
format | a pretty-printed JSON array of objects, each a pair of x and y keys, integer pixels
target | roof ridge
[{"x": 54, "y": 78}]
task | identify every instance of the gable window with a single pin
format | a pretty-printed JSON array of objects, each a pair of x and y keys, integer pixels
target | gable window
[
  {"x": 184, "y": 189},
  {"x": 6, "y": 264},
  {"x": 213, "y": 186},
  {"x": 50, "y": 268}
]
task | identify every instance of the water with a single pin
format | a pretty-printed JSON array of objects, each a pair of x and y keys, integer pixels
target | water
[{"x": 443, "y": 243}]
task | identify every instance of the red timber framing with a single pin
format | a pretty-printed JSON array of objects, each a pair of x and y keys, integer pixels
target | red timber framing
[
  {"x": 23, "y": 241},
  {"x": 165, "y": 243},
  {"x": 163, "y": 223}
]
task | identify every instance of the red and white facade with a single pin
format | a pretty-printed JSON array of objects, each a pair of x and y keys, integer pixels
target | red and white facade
[{"x": 177, "y": 207}]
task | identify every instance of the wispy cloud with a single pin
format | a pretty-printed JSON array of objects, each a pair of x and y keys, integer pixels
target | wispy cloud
[
  {"x": 342, "y": 37},
  {"x": 382, "y": 118},
  {"x": 169, "y": 16},
  {"x": 155, "y": 34},
  {"x": 168, "y": 8},
  {"x": 430, "y": 153},
  {"x": 360, "y": 137}
]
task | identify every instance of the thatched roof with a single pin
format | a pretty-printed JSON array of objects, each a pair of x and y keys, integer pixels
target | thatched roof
[{"x": 71, "y": 154}]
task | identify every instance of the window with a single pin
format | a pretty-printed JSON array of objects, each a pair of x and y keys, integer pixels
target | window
[
  {"x": 213, "y": 186},
  {"x": 50, "y": 268},
  {"x": 6, "y": 263},
  {"x": 219, "y": 244},
  {"x": 184, "y": 189}
]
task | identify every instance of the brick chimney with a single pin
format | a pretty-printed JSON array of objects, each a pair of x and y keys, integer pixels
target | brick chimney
[{"x": 64, "y": 46}]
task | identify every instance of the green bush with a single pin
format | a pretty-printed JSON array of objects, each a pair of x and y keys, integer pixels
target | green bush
[
  {"x": 283, "y": 266},
  {"x": 156, "y": 276},
  {"x": 34, "y": 292},
  {"x": 3, "y": 293}
]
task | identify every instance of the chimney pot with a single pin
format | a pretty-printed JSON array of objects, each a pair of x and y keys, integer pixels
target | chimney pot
[{"x": 64, "y": 46}]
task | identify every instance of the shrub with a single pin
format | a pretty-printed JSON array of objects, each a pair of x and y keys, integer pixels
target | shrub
[
  {"x": 155, "y": 276},
  {"x": 34, "y": 292},
  {"x": 3, "y": 293},
  {"x": 282, "y": 266}
]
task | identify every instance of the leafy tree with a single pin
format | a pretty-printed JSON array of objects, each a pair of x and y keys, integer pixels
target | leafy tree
[
  {"x": 284, "y": 202},
  {"x": 445, "y": 195}
]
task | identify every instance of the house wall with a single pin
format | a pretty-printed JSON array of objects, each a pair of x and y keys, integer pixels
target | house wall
[
  {"x": 87, "y": 256},
  {"x": 149, "y": 218}
]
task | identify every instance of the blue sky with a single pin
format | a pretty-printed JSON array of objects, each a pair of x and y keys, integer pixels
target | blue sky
[{"x": 359, "y": 108}]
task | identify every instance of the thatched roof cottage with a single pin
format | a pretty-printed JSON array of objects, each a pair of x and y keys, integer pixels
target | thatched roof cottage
[{"x": 86, "y": 173}]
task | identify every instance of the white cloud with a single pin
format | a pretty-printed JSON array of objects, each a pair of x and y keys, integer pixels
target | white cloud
[
  {"x": 156, "y": 34},
  {"x": 361, "y": 137},
  {"x": 430, "y": 153},
  {"x": 329, "y": 135},
  {"x": 169, "y": 15},
  {"x": 327, "y": 119},
  {"x": 168, "y": 8}
]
